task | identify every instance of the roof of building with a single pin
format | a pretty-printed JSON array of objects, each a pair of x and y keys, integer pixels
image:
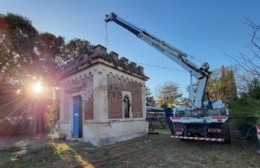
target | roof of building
[{"x": 100, "y": 55}]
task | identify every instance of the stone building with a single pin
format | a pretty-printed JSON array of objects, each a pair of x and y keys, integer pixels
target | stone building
[{"x": 102, "y": 98}]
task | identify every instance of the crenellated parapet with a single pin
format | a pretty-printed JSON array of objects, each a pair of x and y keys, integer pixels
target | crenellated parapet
[{"x": 100, "y": 56}]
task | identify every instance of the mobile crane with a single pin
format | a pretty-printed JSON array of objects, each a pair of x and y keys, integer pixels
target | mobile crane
[{"x": 202, "y": 120}]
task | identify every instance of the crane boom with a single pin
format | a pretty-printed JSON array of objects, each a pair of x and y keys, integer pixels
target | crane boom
[{"x": 176, "y": 55}]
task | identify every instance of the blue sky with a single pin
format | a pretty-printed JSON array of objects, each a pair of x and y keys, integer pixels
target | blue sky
[{"x": 206, "y": 30}]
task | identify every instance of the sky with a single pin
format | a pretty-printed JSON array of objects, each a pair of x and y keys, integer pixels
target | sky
[{"x": 208, "y": 31}]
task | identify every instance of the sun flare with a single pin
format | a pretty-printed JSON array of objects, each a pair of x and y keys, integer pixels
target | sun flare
[{"x": 37, "y": 87}]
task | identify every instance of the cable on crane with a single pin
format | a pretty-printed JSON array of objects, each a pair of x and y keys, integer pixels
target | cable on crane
[{"x": 106, "y": 35}]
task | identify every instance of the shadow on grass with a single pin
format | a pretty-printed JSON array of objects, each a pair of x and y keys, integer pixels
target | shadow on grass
[{"x": 40, "y": 152}]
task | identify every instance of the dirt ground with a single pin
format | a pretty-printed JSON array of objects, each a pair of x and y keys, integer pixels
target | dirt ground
[{"x": 148, "y": 151}]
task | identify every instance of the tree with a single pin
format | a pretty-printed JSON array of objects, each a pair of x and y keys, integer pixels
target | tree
[
  {"x": 222, "y": 85},
  {"x": 251, "y": 63},
  {"x": 227, "y": 85},
  {"x": 17, "y": 57},
  {"x": 247, "y": 105},
  {"x": 49, "y": 50},
  {"x": 51, "y": 115},
  {"x": 168, "y": 93},
  {"x": 23, "y": 36},
  {"x": 254, "y": 89},
  {"x": 5, "y": 43},
  {"x": 25, "y": 55},
  {"x": 150, "y": 101},
  {"x": 185, "y": 102},
  {"x": 75, "y": 48}
]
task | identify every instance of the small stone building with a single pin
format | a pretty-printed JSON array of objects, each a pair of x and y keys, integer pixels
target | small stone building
[{"x": 102, "y": 98}]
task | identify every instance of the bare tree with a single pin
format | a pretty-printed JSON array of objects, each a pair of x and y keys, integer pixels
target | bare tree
[{"x": 251, "y": 63}]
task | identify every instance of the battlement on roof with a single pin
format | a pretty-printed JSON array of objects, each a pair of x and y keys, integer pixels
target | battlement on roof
[{"x": 100, "y": 55}]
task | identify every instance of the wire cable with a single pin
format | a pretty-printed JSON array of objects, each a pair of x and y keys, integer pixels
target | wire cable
[
  {"x": 106, "y": 35},
  {"x": 161, "y": 67}
]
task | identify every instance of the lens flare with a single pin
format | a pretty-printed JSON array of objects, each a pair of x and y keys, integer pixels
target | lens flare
[{"x": 37, "y": 87}]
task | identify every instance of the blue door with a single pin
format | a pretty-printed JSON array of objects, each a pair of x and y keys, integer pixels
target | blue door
[{"x": 76, "y": 116}]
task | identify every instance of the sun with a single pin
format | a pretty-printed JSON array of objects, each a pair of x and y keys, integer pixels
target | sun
[{"x": 37, "y": 87}]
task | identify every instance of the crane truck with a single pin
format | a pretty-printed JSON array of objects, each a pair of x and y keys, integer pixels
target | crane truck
[{"x": 202, "y": 120}]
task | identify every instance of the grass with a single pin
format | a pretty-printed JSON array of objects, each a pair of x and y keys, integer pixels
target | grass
[{"x": 148, "y": 151}]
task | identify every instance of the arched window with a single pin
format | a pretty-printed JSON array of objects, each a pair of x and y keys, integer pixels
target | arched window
[{"x": 126, "y": 106}]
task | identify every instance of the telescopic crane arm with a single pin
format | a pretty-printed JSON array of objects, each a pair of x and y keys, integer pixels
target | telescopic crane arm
[{"x": 176, "y": 55}]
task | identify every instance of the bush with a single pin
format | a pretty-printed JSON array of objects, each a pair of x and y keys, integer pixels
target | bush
[{"x": 247, "y": 111}]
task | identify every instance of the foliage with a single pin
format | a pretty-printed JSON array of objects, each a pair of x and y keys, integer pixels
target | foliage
[
  {"x": 222, "y": 85},
  {"x": 76, "y": 48},
  {"x": 168, "y": 93},
  {"x": 23, "y": 34},
  {"x": 150, "y": 101},
  {"x": 49, "y": 49},
  {"x": 27, "y": 56},
  {"x": 247, "y": 107},
  {"x": 23, "y": 62},
  {"x": 254, "y": 90},
  {"x": 185, "y": 102},
  {"x": 51, "y": 115}
]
